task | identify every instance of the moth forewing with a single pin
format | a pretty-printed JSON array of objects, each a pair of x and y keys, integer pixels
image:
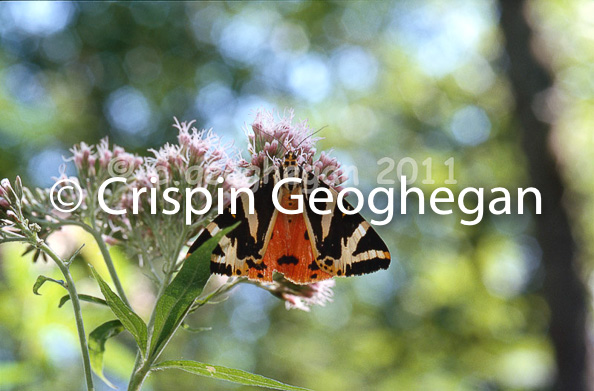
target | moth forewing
[{"x": 273, "y": 179}]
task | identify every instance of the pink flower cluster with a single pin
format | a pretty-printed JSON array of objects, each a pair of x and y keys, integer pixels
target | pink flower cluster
[
  {"x": 100, "y": 161},
  {"x": 301, "y": 297},
  {"x": 273, "y": 138},
  {"x": 318, "y": 293},
  {"x": 198, "y": 159}
]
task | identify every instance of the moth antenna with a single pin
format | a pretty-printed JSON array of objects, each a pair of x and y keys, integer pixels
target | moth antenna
[
  {"x": 285, "y": 148},
  {"x": 272, "y": 136},
  {"x": 311, "y": 135},
  {"x": 301, "y": 142}
]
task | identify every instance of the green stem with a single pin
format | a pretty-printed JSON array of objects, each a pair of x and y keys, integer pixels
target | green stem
[
  {"x": 104, "y": 252},
  {"x": 109, "y": 263},
  {"x": 102, "y": 246},
  {"x": 92, "y": 229},
  {"x": 142, "y": 368},
  {"x": 77, "y": 313},
  {"x": 139, "y": 376},
  {"x": 8, "y": 240}
]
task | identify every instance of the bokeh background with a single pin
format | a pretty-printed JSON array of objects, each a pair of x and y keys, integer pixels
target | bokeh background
[{"x": 503, "y": 305}]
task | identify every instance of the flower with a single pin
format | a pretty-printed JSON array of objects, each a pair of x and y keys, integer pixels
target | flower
[
  {"x": 198, "y": 159},
  {"x": 273, "y": 138},
  {"x": 4, "y": 199},
  {"x": 104, "y": 153},
  {"x": 10, "y": 198},
  {"x": 14, "y": 226},
  {"x": 80, "y": 155},
  {"x": 318, "y": 293},
  {"x": 4, "y": 204},
  {"x": 328, "y": 170},
  {"x": 301, "y": 297}
]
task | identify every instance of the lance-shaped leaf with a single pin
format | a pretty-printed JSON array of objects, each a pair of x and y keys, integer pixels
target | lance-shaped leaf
[
  {"x": 191, "y": 329},
  {"x": 82, "y": 297},
  {"x": 97, "y": 340},
  {"x": 222, "y": 373},
  {"x": 178, "y": 297},
  {"x": 42, "y": 280},
  {"x": 130, "y": 320}
]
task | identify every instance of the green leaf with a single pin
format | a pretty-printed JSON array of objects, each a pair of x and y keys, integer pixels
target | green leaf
[
  {"x": 191, "y": 329},
  {"x": 87, "y": 298},
  {"x": 178, "y": 297},
  {"x": 42, "y": 280},
  {"x": 222, "y": 373},
  {"x": 97, "y": 340},
  {"x": 130, "y": 320},
  {"x": 71, "y": 259}
]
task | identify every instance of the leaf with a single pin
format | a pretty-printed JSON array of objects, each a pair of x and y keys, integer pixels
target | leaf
[
  {"x": 42, "y": 280},
  {"x": 179, "y": 296},
  {"x": 87, "y": 298},
  {"x": 71, "y": 259},
  {"x": 130, "y": 320},
  {"x": 97, "y": 340},
  {"x": 191, "y": 329},
  {"x": 222, "y": 373}
]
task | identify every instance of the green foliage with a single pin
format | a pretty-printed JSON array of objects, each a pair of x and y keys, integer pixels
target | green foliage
[
  {"x": 232, "y": 375},
  {"x": 82, "y": 297},
  {"x": 191, "y": 329},
  {"x": 97, "y": 339},
  {"x": 130, "y": 320},
  {"x": 181, "y": 293},
  {"x": 42, "y": 280},
  {"x": 460, "y": 308}
]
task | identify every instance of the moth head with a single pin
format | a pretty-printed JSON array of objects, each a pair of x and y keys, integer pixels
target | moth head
[
  {"x": 290, "y": 169},
  {"x": 290, "y": 159}
]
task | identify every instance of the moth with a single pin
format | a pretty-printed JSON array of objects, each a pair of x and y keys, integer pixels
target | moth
[{"x": 306, "y": 247}]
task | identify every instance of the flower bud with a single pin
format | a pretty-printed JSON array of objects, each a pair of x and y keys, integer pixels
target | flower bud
[
  {"x": 5, "y": 183},
  {"x": 117, "y": 151},
  {"x": 9, "y": 192},
  {"x": 18, "y": 187}
]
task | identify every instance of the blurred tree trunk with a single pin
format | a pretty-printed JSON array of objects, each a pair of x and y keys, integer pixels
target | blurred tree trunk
[{"x": 562, "y": 287}]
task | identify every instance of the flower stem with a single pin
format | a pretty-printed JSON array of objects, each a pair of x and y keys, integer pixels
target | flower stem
[
  {"x": 109, "y": 263},
  {"x": 139, "y": 376},
  {"x": 102, "y": 247},
  {"x": 92, "y": 229},
  {"x": 77, "y": 313},
  {"x": 142, "y": 367}
]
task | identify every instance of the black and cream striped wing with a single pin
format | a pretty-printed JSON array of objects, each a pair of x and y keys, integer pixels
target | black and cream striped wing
[
  {"x": 244, "y": 247},
  {"x": 344, "y": 244}
]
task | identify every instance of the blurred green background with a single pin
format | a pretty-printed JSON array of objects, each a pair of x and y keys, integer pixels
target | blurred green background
[{"x": 460, "y": 308}]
